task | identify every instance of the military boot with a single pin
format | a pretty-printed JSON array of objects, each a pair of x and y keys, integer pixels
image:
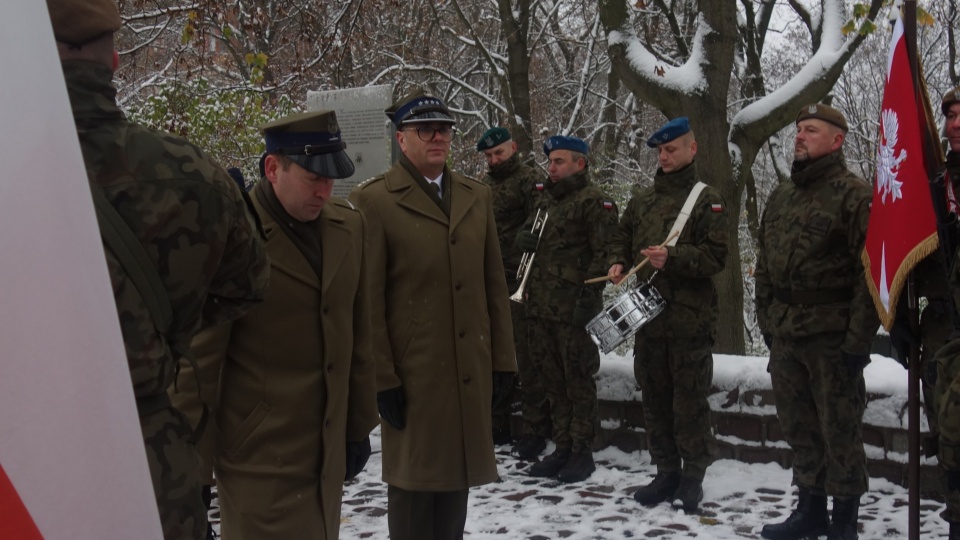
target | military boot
[
  {"x": 843, "y": 526},
  {"x": 809, "y": 519},
  {"x": 551, "y": 464},
  {"x": 662, "y": 488},
  {"x": 689, "y": 494},
  {"x": 530, "y": 446},
  {"x": 578, "y": 468}
]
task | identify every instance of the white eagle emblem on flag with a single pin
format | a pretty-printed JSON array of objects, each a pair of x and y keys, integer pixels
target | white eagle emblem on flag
[{"x": 888, "y": 162}]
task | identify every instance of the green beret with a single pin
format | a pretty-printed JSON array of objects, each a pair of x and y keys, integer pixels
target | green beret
[
  {"x": 951, "y": 97},
  {"x": 76, "y": 22},
  {"x": 494, "y": 136},
  {"x": 823, "y": 112}
]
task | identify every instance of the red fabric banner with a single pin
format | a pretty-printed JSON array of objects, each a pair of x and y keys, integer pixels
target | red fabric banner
[
  {"x": 902, "y": 229},
  {"x": 15, "y": 520}
]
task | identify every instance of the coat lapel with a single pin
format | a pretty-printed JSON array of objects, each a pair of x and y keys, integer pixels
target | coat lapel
[
  {"x": 335, "y": 238},
  {"x": 283, "y": 253},
  {"x": 463, "y": 196},
  {"x": 412, "y": 197}
]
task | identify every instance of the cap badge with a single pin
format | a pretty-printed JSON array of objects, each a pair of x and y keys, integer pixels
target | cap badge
[{"x": 812, "y": 109}]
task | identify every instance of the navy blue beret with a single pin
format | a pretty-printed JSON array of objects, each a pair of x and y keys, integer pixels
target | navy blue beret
[
  {"x": 564, "y": 142},
  {"x": 670, "y": 131}
]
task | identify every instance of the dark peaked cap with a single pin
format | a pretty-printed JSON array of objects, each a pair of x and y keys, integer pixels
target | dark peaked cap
[
  {"x": 76, "y": 22},
  {"x": 311, "y": 140},
  {"x": 419, "y": 108}
]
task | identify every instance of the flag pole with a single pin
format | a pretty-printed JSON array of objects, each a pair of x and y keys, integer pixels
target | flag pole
[{"x": 913, "y": 383}]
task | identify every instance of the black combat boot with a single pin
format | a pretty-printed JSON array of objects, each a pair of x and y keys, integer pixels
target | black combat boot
[
  {"x": 662, "y": 488},
  {"x": 551, "y": 464},
  {"x": 843, "y": 526},
  {"x": 689, "y": 494},
  {"x": 809, "y": 519},
  {"x": 530, "y": 446},
  {"x": 578, "y": 468}
]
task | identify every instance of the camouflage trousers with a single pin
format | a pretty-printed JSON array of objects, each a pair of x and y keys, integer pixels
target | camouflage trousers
[
  {"x": 675, "y": 378},
  {"x": 533, "y": 401},
  {"x": 935, "y": 329},
  {"x": 820, "y": 405},
  {"x": 948, "y": 405},
  {"x": 175, "y": 471},
  {"x": 566, "y": 360}
]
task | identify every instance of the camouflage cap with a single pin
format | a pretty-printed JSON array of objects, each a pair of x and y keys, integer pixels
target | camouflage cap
[
  {"x": 76, "y": 22},
  {"x": 951, "y": 97},
  {"x": 419, "y": 108},
  {"x": 311, "y": 140},
  {"x": 494, "y": 136},
  {"x": 823, "y": 112}
]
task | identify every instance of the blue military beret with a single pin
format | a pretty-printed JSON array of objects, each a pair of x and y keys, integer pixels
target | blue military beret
[
  {"x": 670, "y": 131},
  {"x": 494, "y": 136},
  {"x": 564, "y": 142}
]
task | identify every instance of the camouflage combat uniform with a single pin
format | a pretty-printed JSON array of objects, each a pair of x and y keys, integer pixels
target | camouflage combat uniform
[
  {"x": 947, "y": 388},
  {"x": 571, "y": 250},
  {"x": 812, "y": 301},
  {"x": 673, "y": 362},
  {"x": 512, "y": 185},
  {"x": 194, "y": 224}
]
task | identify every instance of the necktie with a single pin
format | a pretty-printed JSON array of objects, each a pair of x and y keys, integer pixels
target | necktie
[{"x": 436, "y": 186}]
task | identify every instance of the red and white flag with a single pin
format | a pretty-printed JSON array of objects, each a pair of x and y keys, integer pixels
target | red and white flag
[
  {"x": 902, "y": 229},
  {"x": 72, "y": 459}
]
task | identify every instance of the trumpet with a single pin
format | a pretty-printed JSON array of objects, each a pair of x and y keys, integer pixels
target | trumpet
[{"x": 523, "y": 272}]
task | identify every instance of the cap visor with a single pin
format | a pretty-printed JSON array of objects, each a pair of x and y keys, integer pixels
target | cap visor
[
  {"x": 428, "y": 117},
  {"x": 332, "y": 165}
]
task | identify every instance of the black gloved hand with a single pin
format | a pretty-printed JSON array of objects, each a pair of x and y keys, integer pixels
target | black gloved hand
[
  {"x": 902, "y": 340},
  {"x": 953, "y": 480},
  {"x": 502, "y": 386},
  {"x": 767, "y": 340},
  {"x": 392, "y": 405},
  {"x": 855, "y": 362},
  {"x": 357, "y": 455},
  {"x": 527, "y": 241},
  {"x": 585, "y": 310}
]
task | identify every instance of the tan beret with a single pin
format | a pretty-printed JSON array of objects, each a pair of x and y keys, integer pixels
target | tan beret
[
  {"x": 76, "y": 22},
  {"x": 951, "y": 97},
  {"x": 823, "y": 112}
]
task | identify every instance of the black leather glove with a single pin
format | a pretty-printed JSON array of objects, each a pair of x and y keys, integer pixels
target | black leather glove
[
  {"x": 502, "y": 386},
  {"x": 953, "y": 480},
  {"x": 392, "y": 405},
  {"x": 357, "y": 455},
  {"x": 585, "y": 310},
  {"x": 855, "y": 362},
  {"x": 902, "y": 340},
  {"x": 527, "y": 241},
  {"x": 767, "y": 340}
]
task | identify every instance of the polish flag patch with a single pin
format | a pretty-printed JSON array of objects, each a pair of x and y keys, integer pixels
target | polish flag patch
[
  {"x": 716, "y": 207},
  {"x": 538, "y": 186},
  {"x": 607, "y": 205}
]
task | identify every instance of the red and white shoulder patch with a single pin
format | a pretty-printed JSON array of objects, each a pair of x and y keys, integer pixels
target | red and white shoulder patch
[{"x": 716, "y": 207}]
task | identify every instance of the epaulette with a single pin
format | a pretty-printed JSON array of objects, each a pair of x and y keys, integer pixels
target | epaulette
[
  {"x": 343, "y": 203},
  {"x": 369, "y": 181}
]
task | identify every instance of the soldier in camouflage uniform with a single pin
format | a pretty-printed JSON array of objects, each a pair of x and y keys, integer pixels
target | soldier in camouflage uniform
[
  {"x": 947, "y": 389},
  {"x": 513, "y": 185},
  {"x": 573, "y": 248},
  {"x": 193, "y": 224},
  {"x": 673, "y": 361},
  {"x": 818, "y": 320}
]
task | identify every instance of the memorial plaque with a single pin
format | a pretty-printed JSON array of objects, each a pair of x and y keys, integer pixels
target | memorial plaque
[{"x": 365, "y": 128}]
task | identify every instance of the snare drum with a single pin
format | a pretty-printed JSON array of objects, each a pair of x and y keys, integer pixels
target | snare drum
[{"x": 625, "y": 316}]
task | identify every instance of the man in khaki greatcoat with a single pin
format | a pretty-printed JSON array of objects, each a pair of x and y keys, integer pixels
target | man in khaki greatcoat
[
  {"x": 296, "y": 396},
  {"x": 444, "y": 349}
]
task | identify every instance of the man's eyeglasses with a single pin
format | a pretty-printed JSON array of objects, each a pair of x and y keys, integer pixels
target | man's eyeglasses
[{"x": 426, "y": 133}]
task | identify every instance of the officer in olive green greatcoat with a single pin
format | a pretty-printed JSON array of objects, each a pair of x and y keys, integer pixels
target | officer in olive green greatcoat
[
  {"x": 818, "y": 319},
  {"x": 444, "y": 342},
  {"x": 514, "y": 185},
  {"x": 193, "y": 225},
  {"x": 291, "y": 384},
  {"x": 673, "y": 361},
  {"x": 580, "y": 217},
  {"x": 947, "y": 389}
]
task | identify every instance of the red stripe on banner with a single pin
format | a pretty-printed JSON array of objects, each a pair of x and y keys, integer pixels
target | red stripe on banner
[{"x": 15, "y": 520}]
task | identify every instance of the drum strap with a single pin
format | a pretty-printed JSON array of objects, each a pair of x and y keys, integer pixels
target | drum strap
[{"x": 685, "y": 212}]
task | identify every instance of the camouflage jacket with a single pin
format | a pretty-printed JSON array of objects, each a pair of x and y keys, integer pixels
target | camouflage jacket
[
  {"x": 809, "y": 276},
  {"x": 188, "y": 214},
  {"x": 953, "y": 172},
  {"x": 573, "y": 248},
  {"x": 700, "y": 252},
  {"x": 513, "y": 199}
]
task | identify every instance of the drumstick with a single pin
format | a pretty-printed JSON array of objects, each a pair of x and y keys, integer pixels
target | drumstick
[{"x": 637, "y": 267}]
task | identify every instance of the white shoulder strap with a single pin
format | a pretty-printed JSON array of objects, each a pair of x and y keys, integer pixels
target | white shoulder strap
[{"x": 685, "y": 212}]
